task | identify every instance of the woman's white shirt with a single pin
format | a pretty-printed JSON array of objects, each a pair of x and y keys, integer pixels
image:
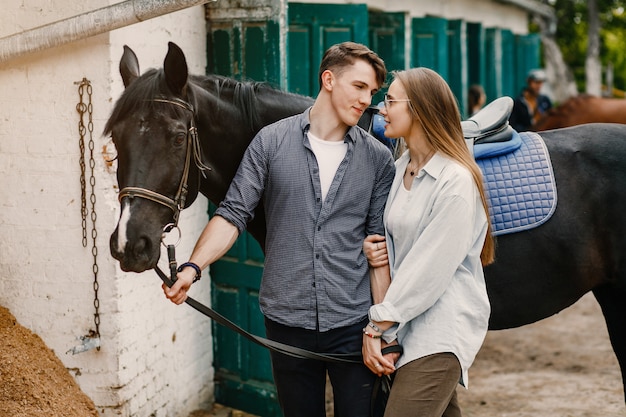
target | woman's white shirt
[{"x": 435, "y": 234}]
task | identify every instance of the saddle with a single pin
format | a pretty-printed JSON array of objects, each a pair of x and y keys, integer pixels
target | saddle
[
  {"x": 517, "y": 172},
  {"x": 487, "y": 133}
]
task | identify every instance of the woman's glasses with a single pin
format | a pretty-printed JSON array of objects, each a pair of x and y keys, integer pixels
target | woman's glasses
[{"x": 388, "y": 100}]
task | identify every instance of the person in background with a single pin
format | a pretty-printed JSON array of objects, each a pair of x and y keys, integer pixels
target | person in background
[
  {"x": 437, "y": 241},
  {"x": 530, "y": 106},
  {"x": 323, "y": 182},
  {"x": 476, "y": 99}
]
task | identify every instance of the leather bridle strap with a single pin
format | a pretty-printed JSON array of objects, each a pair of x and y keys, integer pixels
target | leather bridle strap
[
  {"x": 270, "y": 344},
  {"x": 177, "y": 204}
]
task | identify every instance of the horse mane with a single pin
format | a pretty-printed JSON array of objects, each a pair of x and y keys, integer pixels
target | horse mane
[
  {"x": 139, "y": 95},
  {"x": 244, "y": 95}
]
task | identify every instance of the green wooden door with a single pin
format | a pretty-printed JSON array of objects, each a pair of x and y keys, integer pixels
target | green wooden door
[
  {"x": 457, "y": 57},
  {"x": 387, "y": 39},
  {"x": 313, "y": 28},
  {"x": 243, "y": 375},
  {"x": 509, "y": 87},
  {"x": 430, "y": 44},
  {"x": 493, "y": 63},
  {"x": 242, "y": 49},
  {"x": 528, "y": 57},
  {"x": 476, "y": 53}
]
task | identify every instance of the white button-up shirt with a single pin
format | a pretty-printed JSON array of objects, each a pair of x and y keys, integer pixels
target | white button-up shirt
[{"x": 437, "y": 294}]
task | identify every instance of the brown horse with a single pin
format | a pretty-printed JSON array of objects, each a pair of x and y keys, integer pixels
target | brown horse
[{"x": 582, "y": 109}]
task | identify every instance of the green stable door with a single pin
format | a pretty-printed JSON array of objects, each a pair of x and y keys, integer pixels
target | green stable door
[{"x": 249, "y": 49}]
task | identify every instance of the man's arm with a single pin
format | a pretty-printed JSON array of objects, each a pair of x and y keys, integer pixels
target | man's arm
[{"x": 216, "y": 239}]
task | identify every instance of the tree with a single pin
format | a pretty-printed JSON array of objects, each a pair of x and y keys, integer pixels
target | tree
[
  {"x": 591, "y": 34},
  {"x": 593, "y": 68}
]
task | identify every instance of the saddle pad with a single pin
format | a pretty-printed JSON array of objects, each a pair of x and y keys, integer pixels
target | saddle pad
[{"x": 520, "y": 186}]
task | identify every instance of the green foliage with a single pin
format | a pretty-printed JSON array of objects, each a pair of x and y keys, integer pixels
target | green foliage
[{"x": 571, "y": 36}]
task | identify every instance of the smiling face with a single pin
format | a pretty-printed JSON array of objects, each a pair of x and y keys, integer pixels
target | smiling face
[
  {"x": 397, "y": 113},
  {"x": 352, "y": 88}
]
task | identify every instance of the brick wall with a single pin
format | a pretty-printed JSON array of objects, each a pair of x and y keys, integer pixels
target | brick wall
[{"x": 155, "y": 358}]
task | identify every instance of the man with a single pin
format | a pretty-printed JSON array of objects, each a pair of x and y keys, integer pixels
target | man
[
  {"x": 530, "y": 106},
  {"x": 323, "y": 182}
]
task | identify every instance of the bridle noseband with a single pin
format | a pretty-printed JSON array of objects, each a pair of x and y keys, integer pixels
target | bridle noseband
[{"x": 177, "y": 204}]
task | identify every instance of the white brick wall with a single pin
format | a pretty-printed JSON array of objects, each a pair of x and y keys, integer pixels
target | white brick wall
[{"x": 155, "y": 358}]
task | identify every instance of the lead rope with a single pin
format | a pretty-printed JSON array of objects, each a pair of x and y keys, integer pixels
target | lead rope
[
  {"x": 92, "y": 339},
  {"x": 270, "y": 344}
]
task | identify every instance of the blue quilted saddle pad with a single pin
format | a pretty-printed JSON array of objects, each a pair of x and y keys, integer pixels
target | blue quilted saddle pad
[{"x": 520, "y": 186}]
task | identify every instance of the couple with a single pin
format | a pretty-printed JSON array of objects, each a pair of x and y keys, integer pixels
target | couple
[{"x": 330, "y": 195}]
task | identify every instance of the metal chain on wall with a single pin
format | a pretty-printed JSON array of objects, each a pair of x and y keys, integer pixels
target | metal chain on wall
[{"x": 86, "y": 109}]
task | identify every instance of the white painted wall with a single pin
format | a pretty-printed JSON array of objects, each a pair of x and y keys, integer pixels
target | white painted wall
[{"x": 150, "y": 348}]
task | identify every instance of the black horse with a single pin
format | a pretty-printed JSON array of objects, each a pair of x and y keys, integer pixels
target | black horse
[{"x": 169, "y": 125}]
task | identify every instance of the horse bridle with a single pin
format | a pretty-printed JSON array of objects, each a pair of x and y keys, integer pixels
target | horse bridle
[{"x": 177, "y": 204}]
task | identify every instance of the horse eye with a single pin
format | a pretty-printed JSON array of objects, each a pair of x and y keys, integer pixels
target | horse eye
[{"x": 180, "y": 138}]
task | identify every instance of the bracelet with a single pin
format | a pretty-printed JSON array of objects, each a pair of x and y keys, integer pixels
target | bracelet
[
  {"x": 375, "y": 327},
  {"x": 372, "y": 335},
  {"x": 195, "y": 267}
]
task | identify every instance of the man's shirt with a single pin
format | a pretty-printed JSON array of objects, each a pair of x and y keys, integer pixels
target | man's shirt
[{"x": 316, "y": 275}]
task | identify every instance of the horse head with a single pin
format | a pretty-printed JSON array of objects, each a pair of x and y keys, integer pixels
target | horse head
[{"x": 154, "y": 131}]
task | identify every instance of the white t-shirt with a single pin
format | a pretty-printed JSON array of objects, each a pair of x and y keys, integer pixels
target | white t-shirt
[{"x": 329, "y": 155}]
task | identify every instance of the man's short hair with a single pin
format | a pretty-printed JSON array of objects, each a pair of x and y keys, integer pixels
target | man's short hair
[{"x": 344, "y": 54}]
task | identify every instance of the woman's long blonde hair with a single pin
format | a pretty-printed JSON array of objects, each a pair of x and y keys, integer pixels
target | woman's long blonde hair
[{"x": 435, "y": 106}]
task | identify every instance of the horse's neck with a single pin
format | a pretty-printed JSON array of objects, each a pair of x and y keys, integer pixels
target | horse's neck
[
  {"x": 225, "y": 128},
  {"x": 274, "y": 105}
]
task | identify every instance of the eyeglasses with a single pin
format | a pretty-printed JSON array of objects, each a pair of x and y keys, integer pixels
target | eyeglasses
[{"x": 388, "y": 101}]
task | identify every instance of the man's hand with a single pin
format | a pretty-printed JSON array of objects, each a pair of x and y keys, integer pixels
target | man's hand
[{"x": 178, "y": 292}]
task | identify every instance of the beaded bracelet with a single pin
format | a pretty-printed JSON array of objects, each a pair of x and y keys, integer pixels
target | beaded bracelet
[
  {"x": 195, "y": 267},
  {"x": 373, "y": 336}
]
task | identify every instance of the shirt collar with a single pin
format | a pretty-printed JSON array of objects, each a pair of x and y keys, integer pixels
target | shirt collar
[
  {"x": 305, "y": 124},
  {"x": 432, "y": 167},
  {"x": 435, "y": 165}
]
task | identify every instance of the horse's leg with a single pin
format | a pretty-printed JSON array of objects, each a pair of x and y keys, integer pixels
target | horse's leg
[{"x": 612, "y": 300}]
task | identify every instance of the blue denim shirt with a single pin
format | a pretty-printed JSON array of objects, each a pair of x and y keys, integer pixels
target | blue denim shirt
[{"x": 316, "y": 275}]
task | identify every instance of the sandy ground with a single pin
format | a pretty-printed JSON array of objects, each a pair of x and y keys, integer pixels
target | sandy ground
[{"x": 562, "y": 366}]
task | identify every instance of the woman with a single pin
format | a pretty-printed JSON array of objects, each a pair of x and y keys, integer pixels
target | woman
[{"x": 438, "y": 239}]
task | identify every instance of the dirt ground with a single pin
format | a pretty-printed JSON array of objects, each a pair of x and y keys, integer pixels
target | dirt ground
[
  {"x": 560, "y": 367},
  {"x": 33, "y": 381}
]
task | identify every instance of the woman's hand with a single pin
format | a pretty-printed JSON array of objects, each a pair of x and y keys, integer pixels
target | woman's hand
[
  {"x": 375, "y": 250},
  {"x": 374, "y": 359}
]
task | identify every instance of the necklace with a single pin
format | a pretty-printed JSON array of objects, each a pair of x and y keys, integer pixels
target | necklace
[{"x": 420, "y": 165}]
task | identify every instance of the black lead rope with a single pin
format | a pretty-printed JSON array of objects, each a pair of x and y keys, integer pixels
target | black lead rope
[
  {"x": 270, "y": 344},
  {"x": 382, "y": 385}
]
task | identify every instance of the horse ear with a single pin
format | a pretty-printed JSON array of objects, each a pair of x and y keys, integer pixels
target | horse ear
[
  {"x": 175, "y": 67},
  {"x": 129, "y": 66}
]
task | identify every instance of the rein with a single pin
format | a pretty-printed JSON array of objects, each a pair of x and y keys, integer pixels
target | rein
[{"x": 270, "y": 344}]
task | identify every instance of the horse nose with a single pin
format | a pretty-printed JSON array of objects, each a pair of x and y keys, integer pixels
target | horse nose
[{"x": 135, "y": 256}]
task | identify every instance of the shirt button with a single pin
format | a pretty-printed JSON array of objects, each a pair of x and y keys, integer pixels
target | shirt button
[
  {"x": 317, "y": 256},
  {"x": 318, "y": 199},
  {"x": 319, "y": 228},
  {"x": 313, "y": 284}
]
